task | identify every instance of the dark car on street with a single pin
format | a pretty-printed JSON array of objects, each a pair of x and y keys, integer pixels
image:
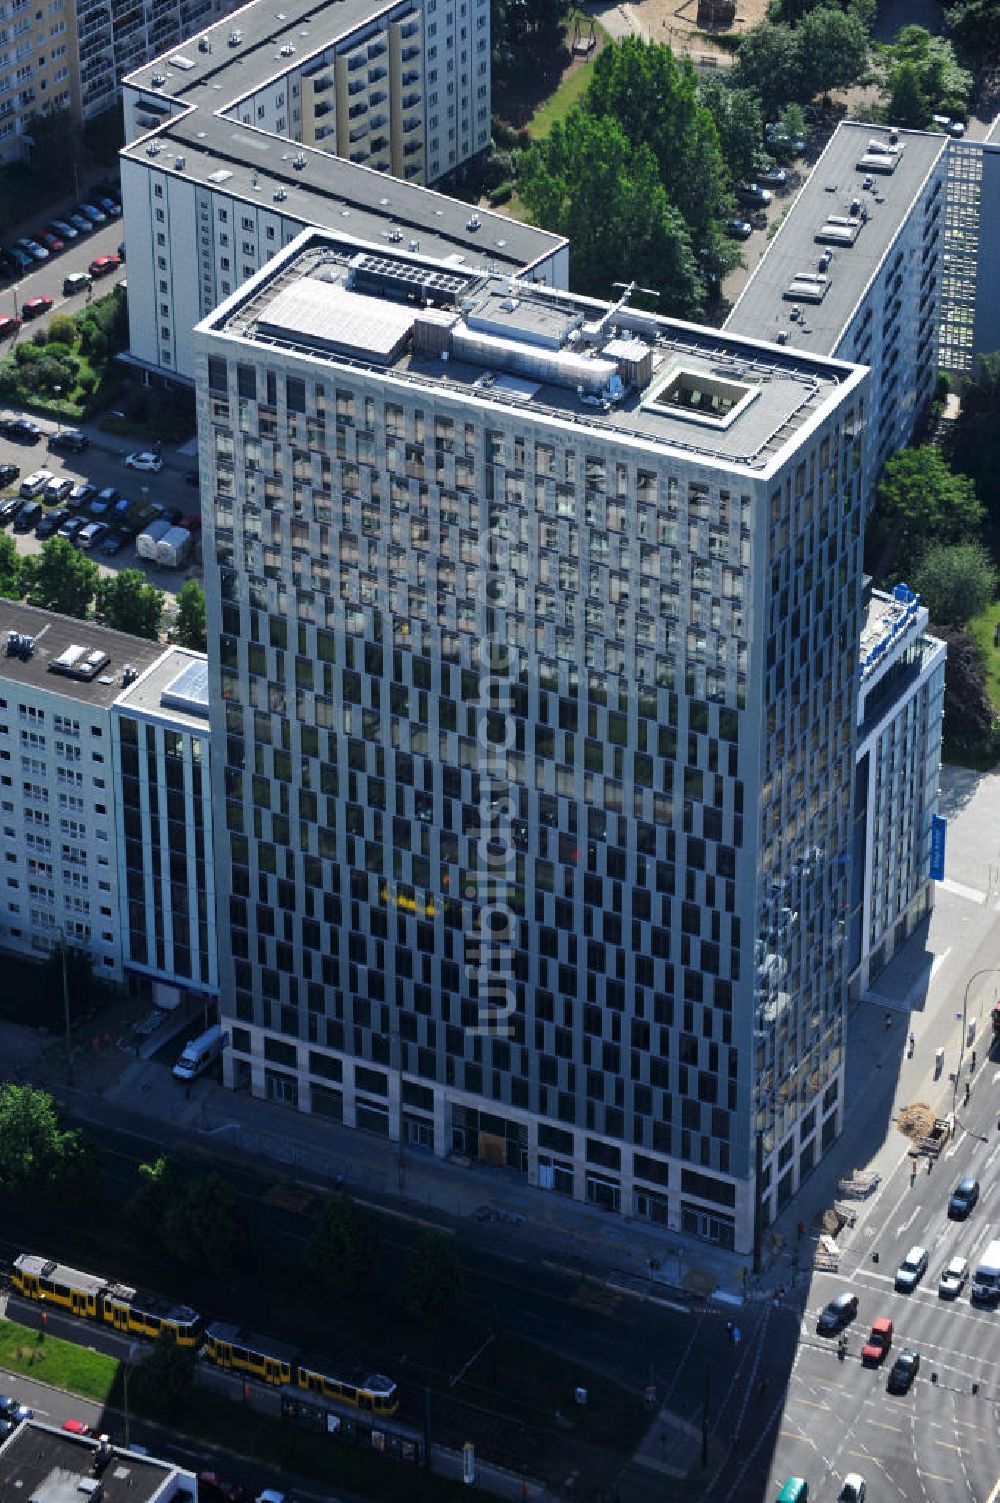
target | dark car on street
[
  {"x": 21, "y": 429},
  {"x": 27, "y": 516},
  {"x": 8, "y": 474},
  {"x": 903, "y": 1371},
  {"x": 9, "y": 509},
  {"x": 80, "y": 495},
  {"x": 963, "y": 1198},
  {"x": 70, "y": 439},
  {"x": 113, "y": 544},
  {"x": 837, "y": 1314},
  {"x": 51, "y": 523}
]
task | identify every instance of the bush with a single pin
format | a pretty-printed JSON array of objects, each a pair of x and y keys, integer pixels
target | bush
[
  {"x": 62, "y": 329},
  {"x": 497, "y": 169},
  {"x": 88, "y": 384},
  {"x": 40, "y": 336},
  {"x": 504, "y": 134},
  {"x": 501, "y": 194}
]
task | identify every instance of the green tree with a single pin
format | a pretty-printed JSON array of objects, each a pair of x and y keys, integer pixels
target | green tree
[
  {"x": 203, "y": 1224},
  {"x": 129, "y": 603},
  {"x": 975, "y": 27},
  {"x": 955, "y": 581},
  {"x": 36, "y": 1154},
  {"x": 434, "y": 1280},
  {"x": 653, "y": 97},
  {"x": 11, "y": 587},
  {"x": 941, "y": 81},
  {"x": 189, "y": 628},
  {"x": 61, "y": 578},
  {"x": 62, "y": 329},
  {"x": 975, "y": 443},
  {"x": 164, "y": 1380},
  {"x": 739, "y": 124},
  {"x": 908, "y": 104},
  {"x": 969, "y": 720},
  {"x": 160, "y": 1184},
  {"x": 342, "y": 1248},
  {"x": 833, "y": 49},
  {"x": 524, "y": 34},
  {"x": 586, "y": 181},
  {"x": 920, "y": 500},
  {"x": 769, "y": 62}
]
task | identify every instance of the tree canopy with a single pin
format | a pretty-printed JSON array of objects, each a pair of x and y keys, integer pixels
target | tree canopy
[
  {"x": 434, "y": 1280},
  {"x": 955, "y": 581},
  {"x": 585, "y": 180},
  {"x": 833, "y": 49},
  {"x": 920, "y": 500},
  {"x": 129, "y": 603},
  {"x": 975, "y": 448},
  {"x": 189, "y": 628},
  {"x": 11, "y": 587},
  {"x": 193, "y": 1218},
  {"x": 923, "y": 69},
  {"x": 522, "y": 31},
  {"x": 769, "y": 62},
  {"x": 975, "y": 27},
  {"x": 37, "y": 1155},
  {"x": 739, "y": 124},
  {"x": 164, "y": 1379},
  {"x": 342, "y": 1248},
  {"x": 61, "y": 578}
]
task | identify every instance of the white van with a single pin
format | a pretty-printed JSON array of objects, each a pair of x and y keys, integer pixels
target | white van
[
  {"x": 199, "y": 1053},
  {"x": 986, "y": 1279}
]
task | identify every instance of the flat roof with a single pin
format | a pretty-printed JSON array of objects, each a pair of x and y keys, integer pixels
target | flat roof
[
  {"x": 47, "y": 1465},
  {"x": 53, "y": 638},
  {"x": 173, "y": 690},
  {"x": 494, "y": 340},
  {"x": 890, "y": 619},
  {"x": 330, "y": 191},
  {"x": 835, "y": 183},
  {"x": 264, "y": 28}
]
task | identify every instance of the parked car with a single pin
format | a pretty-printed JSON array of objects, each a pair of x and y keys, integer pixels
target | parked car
[
  {"x": 17, "y": 259},
  {"x": 114, "y": 543},
  {"x": 144, "y": 459},
  {"x": 8, "y": 474},
  {"x": 963, "y": 1198},
  {"x": 58, "y": 488},
  {"x": 109, "y": 205},
  {"x": 70, "y": 439},
  {"x": 64, "y": 229},
  {"x": 36, "y": 307},
  {"x": 103, "y": 266},
  {"x": 35, "y": 483},
  {"x": 911, "y": 1270},
  {"x": 51, "y": 522},
  {"x": 77, "y": 281},
  {"x": 949, "y": 126},
  {"x": 837, "y": 1314},
  {"x": 90, "y": 534},
  {"x": 28, "y": 515},
  {"x": 739, "y": 229},
  {"x": 13, "y": 1409},
  {"x": 80, "y": 223},
  {"x": 8, "y": 325},
  {"x": 93, "y": 213},
  {"x": 878, "y": 1343},
  {"x": 23, "y": 429},
  {"x": 953, "y": 1278},
  {"x": 213, "y": 1489},
  {"x": 51, "y": 241},
  {"x": 121, "y": 253},
  {"x": 77, "y": 1427},
  {"x": 775, "y": 177},
  {"x": 9, "y": 509},
  {"x": 753, "y": 193},
  {"x": 903, "y": 1370},
  {"x": 108, "y": 495},
  {"x": 71, "y": 527},
  {"x": 32, "y": 248},
  {"x": 80, "y": 495},
  {"x": 853, "y": 1489}
]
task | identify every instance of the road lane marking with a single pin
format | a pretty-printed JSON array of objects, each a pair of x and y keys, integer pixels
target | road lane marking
[
  {"x": 908, "y": 1222},
  {"x": 866, "y": 1456},
  {"x": 968, "y": 1425},
  {"x": 793, "y": 1399},
  {"x": 793, "y": 1435},
  {"x": 995, "y": 1493},
  {"x": 950, "y": 1444},
  {"x": 881, "y": 1425},
  {"x": 935, "y": 1476}
]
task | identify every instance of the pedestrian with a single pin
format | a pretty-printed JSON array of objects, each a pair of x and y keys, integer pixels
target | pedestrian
[
  {"x": 729, "y": 1328},
  {"x": 968, "y": 1092},
  {"x": 913, "y": 1171},
  {"x": 888, "y": 1021},
  {"x": 737, "y": 1335},
  {"x": 972, "y": 1067}
]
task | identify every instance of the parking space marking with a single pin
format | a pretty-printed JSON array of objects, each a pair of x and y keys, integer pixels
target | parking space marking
[
  {"x": 793, "y": 1435},
  {"x": 881, "y": 1425},
  {"x": 951, "y": 1445},
  {"x": 811, "y": 1402},
  {"x": 934, "y": 1476}
]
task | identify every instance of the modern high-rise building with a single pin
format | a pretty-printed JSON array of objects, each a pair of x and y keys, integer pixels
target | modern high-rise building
[
  {"x": 533, "y": 690},
  {"x": 337, "y": 114},
  {"x": 900, "y": 709},
  {"x": 855, "y": 271}
]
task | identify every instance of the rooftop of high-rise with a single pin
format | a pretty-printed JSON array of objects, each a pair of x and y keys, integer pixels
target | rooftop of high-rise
[{"x": 499, "y": 342}]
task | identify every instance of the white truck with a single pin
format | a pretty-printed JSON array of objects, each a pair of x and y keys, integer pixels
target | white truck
[
  {"x": 145, "y": 543},
  {"x": 986, "y": 1279},
  {"x": 199, "y": 1053},
  {"x": 173, "y": 548}
]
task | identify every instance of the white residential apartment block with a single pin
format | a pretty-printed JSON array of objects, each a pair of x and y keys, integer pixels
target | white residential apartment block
[
  {"x": 970, "y": 315},
  {"x": 335, "y": 114},
  {"x": 855, "y": 271},
  {"x": 900, "y": 710},
  {"x": 655, "y": 530},
  {"x": 160, "y": 736},
  {"x": 58, "y": 805}
]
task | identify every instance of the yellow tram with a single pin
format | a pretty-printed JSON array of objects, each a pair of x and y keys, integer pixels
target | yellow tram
[{"x": 129, "y": 1310}]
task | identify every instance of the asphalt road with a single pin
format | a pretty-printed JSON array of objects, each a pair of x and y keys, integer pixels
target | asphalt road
[{"x": 46, "y": 278}]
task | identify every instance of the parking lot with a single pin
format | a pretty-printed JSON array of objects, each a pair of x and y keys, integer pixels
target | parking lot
[
  {"x": 45, "y": 278},
  {"x": 102, "y": 465}
]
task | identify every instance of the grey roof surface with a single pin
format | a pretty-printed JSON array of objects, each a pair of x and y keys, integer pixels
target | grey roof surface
[
  {"x": 47, "y": 1466},
  {"x": 762, "y": 309},
  {"x": 52, "y": 636},
  {"x": 174, "y": 690},
  {"x": 266, "y": 25},
  {"x": 333, "y": 192},
  {"x": 502, "y": 364}
]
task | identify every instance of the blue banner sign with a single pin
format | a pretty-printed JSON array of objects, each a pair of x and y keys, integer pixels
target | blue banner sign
[{"x": 939, "y": 831}]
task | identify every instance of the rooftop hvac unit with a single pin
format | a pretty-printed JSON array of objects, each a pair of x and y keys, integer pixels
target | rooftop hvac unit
[
  {"x": 159, "y": 79},
  {"x": 235, "y": 38},
  {"x": 19, "y": 645},
  {"x": 474, "y": 223},
  {"x": 153, "y": 149},
  {"x": 179, "y": 163},
  {"x": 299, "y": 161},
  {"x": 204, "y": 45},
  {"x": 286, "y": 50},
  {"x": 129, "y": 675},
  {"x": 280, "y": 195}
]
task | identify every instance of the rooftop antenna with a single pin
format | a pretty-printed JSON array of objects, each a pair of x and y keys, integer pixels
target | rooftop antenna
[{"x": 628, "y": 288}]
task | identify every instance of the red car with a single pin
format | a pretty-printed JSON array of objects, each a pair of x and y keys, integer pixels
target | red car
[
  {"x": 8, "y": 326},
  {"x": 77, "y": 1427},
  {"x": 104, "y": 266},
  {"x": 52, "y": 242},
  {"x": 878, "y": 1343},
  {"x": 36, "y": 306}
]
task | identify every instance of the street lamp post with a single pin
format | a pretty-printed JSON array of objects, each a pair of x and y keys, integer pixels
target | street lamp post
[
  {"x": 57, "y": 393},
  {"x": 989, "y": 970}
]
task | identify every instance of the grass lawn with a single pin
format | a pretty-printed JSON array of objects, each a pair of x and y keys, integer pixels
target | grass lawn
[
  {"x": 982, "y": 627},
  {"x": 75, "y": 1369},
  {"x": 572, "y": 87}
]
